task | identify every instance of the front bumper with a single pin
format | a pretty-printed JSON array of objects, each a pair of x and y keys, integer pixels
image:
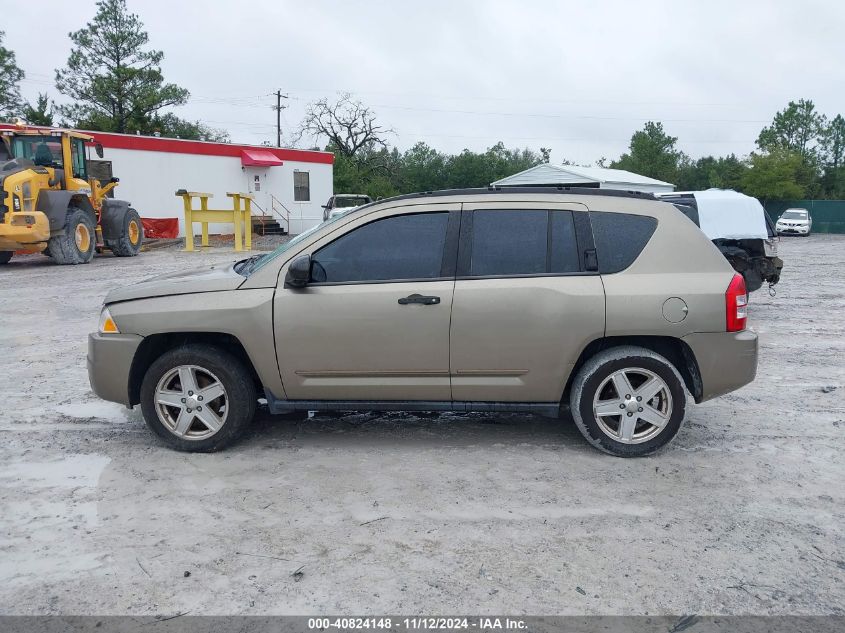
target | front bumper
[
  {"x": 109, "y": 361},
  {"x": 33, "y": 236},
  {"x": 726, "y": 360},
  {"x": 793, "y": 230}
]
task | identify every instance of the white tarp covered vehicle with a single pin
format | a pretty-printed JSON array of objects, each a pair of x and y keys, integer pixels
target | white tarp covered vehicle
[{"x": 739, "y": 227}]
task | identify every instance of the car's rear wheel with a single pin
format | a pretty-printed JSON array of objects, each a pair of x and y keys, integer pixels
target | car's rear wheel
[
  {"x": 628, "y": 401},
  {"x": 198, "y": 398},
  {"x": 6, "y": 256}
]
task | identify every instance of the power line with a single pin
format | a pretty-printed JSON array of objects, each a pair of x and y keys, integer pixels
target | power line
[{"x": 541, "y": 115}]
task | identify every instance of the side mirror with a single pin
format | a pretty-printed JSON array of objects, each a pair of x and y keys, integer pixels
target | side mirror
[
  {"x": 98, "y": 148},
  {"x": 299, "y": 272}
]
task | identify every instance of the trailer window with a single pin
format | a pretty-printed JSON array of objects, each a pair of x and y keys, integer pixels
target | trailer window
[{"x": 301, "y": 186}]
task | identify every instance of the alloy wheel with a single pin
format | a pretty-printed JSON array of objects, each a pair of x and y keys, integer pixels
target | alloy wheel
[
  {"x": 191, "y": 402},
  {"x": 632, "y": 405}
]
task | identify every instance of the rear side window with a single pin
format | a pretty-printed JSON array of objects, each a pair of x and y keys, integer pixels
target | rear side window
[
  {"x": 530, "y": 242},
  {"x": 394, "y": 248},
  {"x": 620, "y": 238},
  {"x": 509, "y": 242}
]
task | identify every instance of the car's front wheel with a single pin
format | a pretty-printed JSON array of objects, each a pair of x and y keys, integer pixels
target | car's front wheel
[
  {"x": 198, "y": 398},
  {"x": 628, "y": 401}
]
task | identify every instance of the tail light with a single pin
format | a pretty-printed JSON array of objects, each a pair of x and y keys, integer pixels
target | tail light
[{"x": 736, "y": 304}]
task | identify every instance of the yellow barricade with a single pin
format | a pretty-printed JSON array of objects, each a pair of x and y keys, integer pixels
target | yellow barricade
[{"x": 240, "y": 215}]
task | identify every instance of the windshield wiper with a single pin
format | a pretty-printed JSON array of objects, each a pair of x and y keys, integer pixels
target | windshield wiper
[{"x": 245, "y": 266}]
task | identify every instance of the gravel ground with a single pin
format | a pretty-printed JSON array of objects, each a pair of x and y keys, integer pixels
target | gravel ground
[{"x": 418, "y": 514}]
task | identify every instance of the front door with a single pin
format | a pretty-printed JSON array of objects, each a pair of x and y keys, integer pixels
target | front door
[
  {"x": 524, "y": 307},
  {"x": 257, "y": 185},
  {"x": 374, "y": 322}
]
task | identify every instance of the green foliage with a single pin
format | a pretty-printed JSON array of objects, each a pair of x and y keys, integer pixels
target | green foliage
[
  {"x": 10, "y": 77},
  {"x": 801, "y": 154},
  {"x": 833, "y": 143},
  {"x": 423, "y": 169},
  {"x": 833, "y": 158},
  {"x": 652, "y": 153},
  {"x": 724, "y": 172},
  {"x": 797, "y": 128},
  {"x": 41, "y": 113},
  {"x": 382, "y": 172},
  {"x": 775, "y": 175},
  {"x": 113, "y": 82}
]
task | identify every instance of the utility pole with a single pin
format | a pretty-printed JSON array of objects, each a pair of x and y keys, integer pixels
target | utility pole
[{"x": 278, "y": 108}]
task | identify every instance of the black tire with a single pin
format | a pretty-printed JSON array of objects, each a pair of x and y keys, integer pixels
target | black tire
[
  {"x": 46, "y": 252},
  {"x": 77, "y": 244},
  {"x": 131, "y": 236},
  {"x": 240, "y": 396},
  {"x": 5, "y": 256},
  {"x": 599, "y": 369}
]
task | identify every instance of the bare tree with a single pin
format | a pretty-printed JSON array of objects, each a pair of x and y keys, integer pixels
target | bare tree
[{"x": 349, "y": 125}]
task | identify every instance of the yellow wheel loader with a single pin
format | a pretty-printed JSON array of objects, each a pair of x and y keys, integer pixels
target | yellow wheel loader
[{"x": 48, "y": 202}]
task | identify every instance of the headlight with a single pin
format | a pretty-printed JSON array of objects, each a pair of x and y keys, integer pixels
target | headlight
[{"x": 107, "y": 324}]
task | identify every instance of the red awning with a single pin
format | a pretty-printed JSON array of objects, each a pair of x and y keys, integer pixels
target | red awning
[{"x": 259, "y": 158}]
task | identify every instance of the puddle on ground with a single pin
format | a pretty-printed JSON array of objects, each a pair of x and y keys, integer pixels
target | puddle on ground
[
  {"x": 71, "y": 471},
  {"x": 100, "y": 409}
]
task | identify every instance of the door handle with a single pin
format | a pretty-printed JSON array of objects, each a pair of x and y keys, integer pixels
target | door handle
[{"x": 425, "y": 300}]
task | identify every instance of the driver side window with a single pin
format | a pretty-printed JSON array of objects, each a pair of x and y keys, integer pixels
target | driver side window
[{"x": 400, "y": 247}]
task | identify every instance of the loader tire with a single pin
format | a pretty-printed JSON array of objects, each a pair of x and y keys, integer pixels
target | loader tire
[
  {"x": 131, "y": 236},
  {"x": 77, "y": 244},
  {"x": 5, "y": 256}
]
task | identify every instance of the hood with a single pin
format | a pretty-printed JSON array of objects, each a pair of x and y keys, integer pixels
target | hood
[
  {"x": 795, "y": 222},
  {"x": 209, "y": 279}
]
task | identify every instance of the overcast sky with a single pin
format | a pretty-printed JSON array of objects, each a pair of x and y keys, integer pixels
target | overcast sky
[{"x": 578, "y": 77}]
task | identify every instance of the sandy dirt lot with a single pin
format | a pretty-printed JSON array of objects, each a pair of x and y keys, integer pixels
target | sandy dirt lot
[{"x": 413, "y": 514}]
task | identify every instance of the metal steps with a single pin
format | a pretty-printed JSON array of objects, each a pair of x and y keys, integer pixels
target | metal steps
[{"x": 267, "y": 225}]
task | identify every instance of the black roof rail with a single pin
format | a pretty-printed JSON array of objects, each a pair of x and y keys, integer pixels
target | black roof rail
[{"x": 581, "y": 191}]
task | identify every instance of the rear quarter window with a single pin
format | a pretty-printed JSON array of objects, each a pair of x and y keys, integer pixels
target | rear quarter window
[{"x": 620, "y": 238}]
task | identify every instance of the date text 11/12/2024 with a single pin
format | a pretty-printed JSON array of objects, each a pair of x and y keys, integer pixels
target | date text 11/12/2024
[{"x": 417, "y": 624}]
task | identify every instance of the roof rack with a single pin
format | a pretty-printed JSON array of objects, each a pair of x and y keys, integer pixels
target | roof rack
[{"x": 580, "y": 191}]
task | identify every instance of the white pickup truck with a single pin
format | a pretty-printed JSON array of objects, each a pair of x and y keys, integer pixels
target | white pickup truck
[{"x": 344, "y": 202}]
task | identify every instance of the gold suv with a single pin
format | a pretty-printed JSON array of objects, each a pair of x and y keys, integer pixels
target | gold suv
[{"x": 612, "y": 305}]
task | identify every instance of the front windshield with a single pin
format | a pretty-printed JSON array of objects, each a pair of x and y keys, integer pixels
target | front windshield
[
  {"x": 342, "y": 203},
  {"x": 265, "y": 259},
  {"x": 45, "y": 151},
  {"x": 794, "y": 215}
]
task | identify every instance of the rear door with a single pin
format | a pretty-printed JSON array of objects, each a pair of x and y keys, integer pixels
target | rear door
[{"x": 524, "y": 305}]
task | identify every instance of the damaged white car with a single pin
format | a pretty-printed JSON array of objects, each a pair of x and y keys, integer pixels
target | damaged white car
[{"x": 739, "y": 227}]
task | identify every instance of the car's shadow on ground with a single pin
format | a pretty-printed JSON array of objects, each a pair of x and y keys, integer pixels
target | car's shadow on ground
[{"x": 420, "y": 429}]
